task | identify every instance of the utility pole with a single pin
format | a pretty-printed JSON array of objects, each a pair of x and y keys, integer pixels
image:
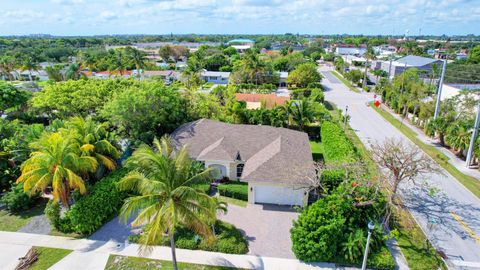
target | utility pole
[
  {"x": 371, "y": 226},
  {"x": 390, "y": 68},
  {"x": 439, "y": 92},
  {"x": 474, "y": 136}
]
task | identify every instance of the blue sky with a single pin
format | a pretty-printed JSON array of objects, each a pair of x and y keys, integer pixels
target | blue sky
[{"x": 90, "y": 17}]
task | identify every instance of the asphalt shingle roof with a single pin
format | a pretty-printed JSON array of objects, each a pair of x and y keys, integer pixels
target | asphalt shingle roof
[{"x": 271, "y": 155}]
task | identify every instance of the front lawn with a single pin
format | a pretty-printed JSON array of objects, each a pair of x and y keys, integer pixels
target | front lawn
[
  {"x": 234, "y": 189},
  {"x": 233, "y": 201},
  {"x": 13, "y": 222},
  {"x": 48, "y": 257},
  {"x": 228, "y": 240},
  {"x": 317, "y": 150},
  {"x": 116, "y": 262}
]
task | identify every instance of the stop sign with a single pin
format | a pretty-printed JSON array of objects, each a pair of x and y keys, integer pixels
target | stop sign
[{"x": 377, "y": 103}]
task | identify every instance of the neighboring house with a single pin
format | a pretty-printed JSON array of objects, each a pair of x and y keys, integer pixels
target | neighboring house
[
  {"x": 283, "y": 79},
  {"x": 276, "y": 163},
  {"x": 398, "y": 66},
  {"x": 255, "y": 101},
  {"x": 216, "y": 77},
  {"x": 241, "y": 44},
  {"x": 40, "y": 75},
  {"x": 168, "y": 76},
  {"x": 347, "y": 49},
  {"x": 111, "y": 74}
]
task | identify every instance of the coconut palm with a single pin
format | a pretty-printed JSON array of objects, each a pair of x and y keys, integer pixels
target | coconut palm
[
  {"x": 300, "y": 112},
  {"x": 369, "y": 55},
  {"x": 137, "y": 58},
  {"x": 30, "y": 64},
  {"x": 94, "y": 141},
  {"x": 57, "y": 163},
  {"x": 166, "y": 200}
]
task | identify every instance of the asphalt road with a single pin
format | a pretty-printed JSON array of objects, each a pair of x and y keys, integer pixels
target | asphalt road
[{"x": 451, "y": 217}]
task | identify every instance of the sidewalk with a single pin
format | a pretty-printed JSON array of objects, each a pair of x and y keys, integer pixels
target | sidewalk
[
  {"x": 452, "y": 158},
  {"x": 92, "y": 254}
]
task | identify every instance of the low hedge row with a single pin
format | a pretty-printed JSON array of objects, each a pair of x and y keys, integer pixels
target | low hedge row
[
  {"x": 93, "y": 210},
  {"x": 228, "y": 240},
  {"x": 234, "y": 189},
  {"x": 337, "y": 147}
]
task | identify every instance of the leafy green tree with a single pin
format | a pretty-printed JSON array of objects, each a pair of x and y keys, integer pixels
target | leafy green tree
[
  {"x": 215, "y": 62},
  {"x": 251, "y": 69},
  {"x": 57, "y": 163},
  {"x": 12, "y": 98},
  {"x": 166, "y": 200},
  {"x": 7, "y": 66},
  {"x": 303, "y": 75},
  {"x": 145, "y": 110},
  {"x": 474, "y": 56}
]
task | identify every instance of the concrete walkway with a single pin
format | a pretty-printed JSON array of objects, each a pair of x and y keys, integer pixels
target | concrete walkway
[
  {"x": 453, "y": 159},
  {"x": 93, "y": 254},
  {"x": 38, "y": 224}
]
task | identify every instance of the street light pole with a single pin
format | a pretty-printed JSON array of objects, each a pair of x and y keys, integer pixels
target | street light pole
[
  {"x": 345, "y": 119},
  {"x": 439, "y": 92},
  {"x": 474, "y": 136},
  {"x": 371, "y": 226}
]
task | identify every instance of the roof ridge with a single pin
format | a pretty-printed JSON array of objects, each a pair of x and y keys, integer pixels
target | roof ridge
[
  {"x": 262, "y": 156},
  {"x": 212, "y": 146}
]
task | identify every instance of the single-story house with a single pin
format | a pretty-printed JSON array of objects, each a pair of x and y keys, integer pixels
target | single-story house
[
  {"x": 168, "y": 76},
  {"x": 241, "y": 44},
  {"x": 254, "y": 101},
  {"x": 349, "y": 49},
  {"x": 216, "y": 77},
  {"x": 411, "y": 61},
  {"x": 276, "y": 163}
]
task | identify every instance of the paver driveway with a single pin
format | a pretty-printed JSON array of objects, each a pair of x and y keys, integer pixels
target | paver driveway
[{"x": 266, "y": 227}]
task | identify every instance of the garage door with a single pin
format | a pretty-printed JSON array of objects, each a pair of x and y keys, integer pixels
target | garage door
[{"x": 278, "y": 195}]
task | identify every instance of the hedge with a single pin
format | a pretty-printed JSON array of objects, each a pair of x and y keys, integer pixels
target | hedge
[
  {"x": 101, "y": 204},
  {"x": 228, "y": 239},
  {"x": 234, "y": 189},
  {"x": 337, "y": 147}
]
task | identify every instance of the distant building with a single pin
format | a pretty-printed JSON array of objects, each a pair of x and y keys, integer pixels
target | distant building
[
  {"x": 283, "y": 79},
  {"x": 216, "y": 77},
  {"x": 255, "y": 101},
  {"x": 411, "y": 61},
  {"x": 348, "y": 49},
  {"x": 241, "y": 44}
]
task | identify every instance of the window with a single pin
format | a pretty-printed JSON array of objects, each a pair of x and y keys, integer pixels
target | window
[{"x": 239, "y": 170}]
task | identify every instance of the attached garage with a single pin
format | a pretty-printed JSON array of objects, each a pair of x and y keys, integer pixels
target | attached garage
[{"x": 278, "y": 195}]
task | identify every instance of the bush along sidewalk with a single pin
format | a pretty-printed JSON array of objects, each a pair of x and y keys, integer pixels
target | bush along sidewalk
[{"x": 91, "y": 211}]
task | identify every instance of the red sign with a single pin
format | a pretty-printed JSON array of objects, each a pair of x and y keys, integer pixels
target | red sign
[{"x": 377, "y": 103}]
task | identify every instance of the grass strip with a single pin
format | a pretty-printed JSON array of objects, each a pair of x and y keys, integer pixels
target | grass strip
[
  {"x": 345, "y": 81},
  {"x": 47, "y": 257}
]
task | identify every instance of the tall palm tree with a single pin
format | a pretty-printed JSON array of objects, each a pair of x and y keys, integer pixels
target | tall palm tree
[
  {"x": 166, "y": 199},
  {"x": 369, "y": 55},
  {"x": 56, "y": 162},
  {"x": 94, "y": 141}
]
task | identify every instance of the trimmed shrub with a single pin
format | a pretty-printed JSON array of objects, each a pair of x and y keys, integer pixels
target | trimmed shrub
[
  {"x": 332, "y": 178},
  {"x": 381, "y": 259},
  {"x": 100, "y": 205},
  {"x": 17, "y": 200},
  {"x": 337, "y": 147},
  {"x": 234, "y": 189},
  {"x": 228, "y": 240},
  {"x": 52, "y": 212}
]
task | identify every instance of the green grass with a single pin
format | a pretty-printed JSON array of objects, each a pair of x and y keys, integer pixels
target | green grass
[
  {"x": 345, "y": 81},
  {"x": 418, "y": 252},
  {"x": 13, "y": 222},
  {"x": 469, "y": 182},
  {"x": 233, "y": 201},
  {"x": 48, "y": 257},
  {"x": 116, "y": 262},
  {"x": 317, "y": 150}
]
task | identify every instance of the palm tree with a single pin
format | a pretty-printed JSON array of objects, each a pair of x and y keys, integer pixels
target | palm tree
[
  {"x": 458, "y": 136},
  {"x": 369, "y": 55},
  {"x": 138, "y": 59},
  {"x": 7, "y": 66},
  {"x": 300, "y": 112},
  {"x": 56, "y": 162},
  {"x": 166, "y": 200},
  {"x": 94, "y": 141},
  {"x": 29, "y": 63}
]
